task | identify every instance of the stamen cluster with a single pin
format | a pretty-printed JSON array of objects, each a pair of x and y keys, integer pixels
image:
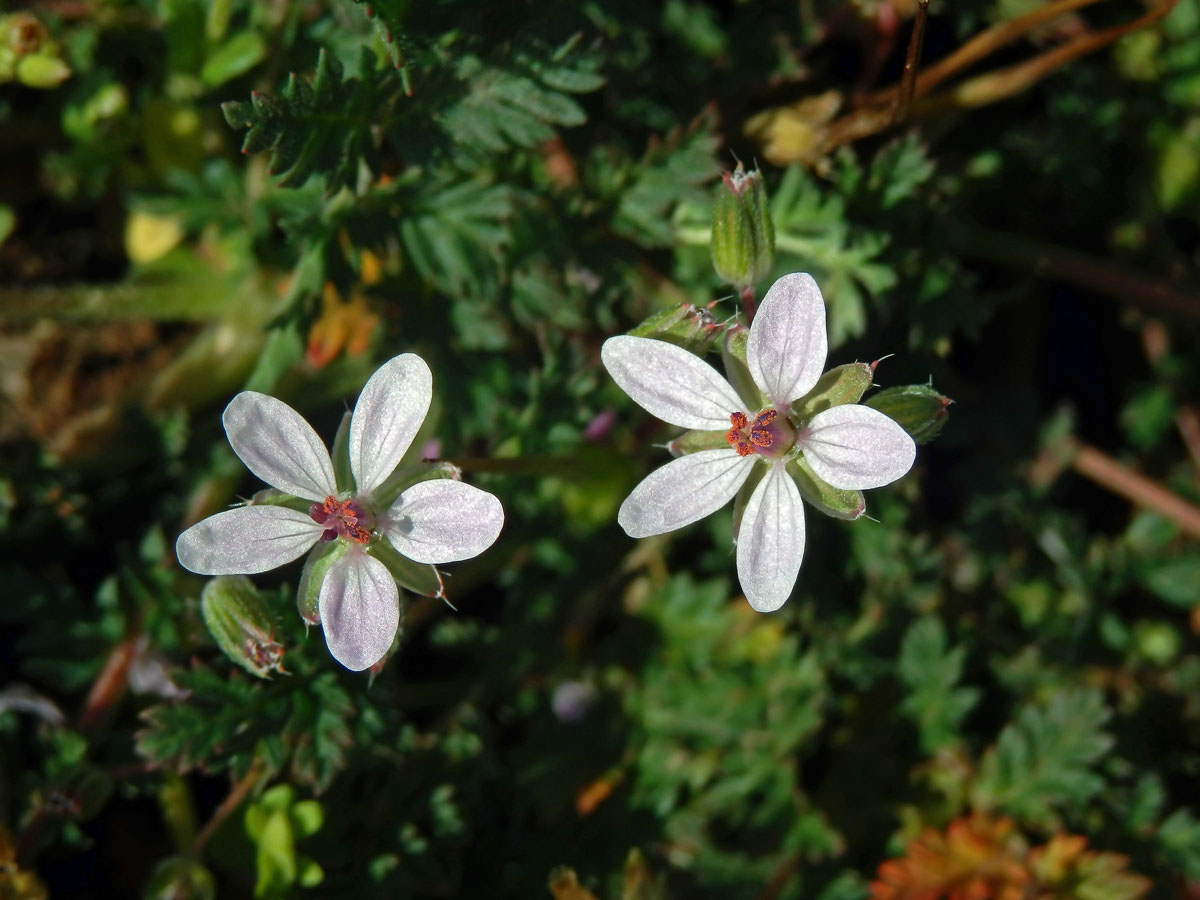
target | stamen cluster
[
  {"x": 343, "y": 518},
  {"x": 760, "y": 434}
]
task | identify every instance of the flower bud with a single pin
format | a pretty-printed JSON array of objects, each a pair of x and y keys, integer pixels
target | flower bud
[
  {"x": 241, "y": 624},
  {"x": 917, "y": 408},
  {"x": 743, "y": 236},
  {"x": 686, "y": 325}
]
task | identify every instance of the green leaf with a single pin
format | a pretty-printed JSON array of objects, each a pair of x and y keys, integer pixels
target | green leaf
[
  {"x": 318, "y": 125},
  {"x": 931, "y": 672},
  {"x": 238, "y": 55},
  {"x": 1043, "y": 761}
]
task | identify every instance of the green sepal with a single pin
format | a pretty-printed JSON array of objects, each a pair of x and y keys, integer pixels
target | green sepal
[
  {"x": 343, "y": 475},
  {"x": 845, "y": 384},
  {"x": 744, "y": 493},
  {"x": 688, "y": 326},
  {"x": 917, "y": 408},
  {"x": 419, "y": 578},
  {"x": 404, "y": 478},
  {"x": 840, "y": 504},
  {"x": 273, "y": 497},
  {"x": 695, "y": 441},
  {"x": 308, "y": 594},
  {"x": 240, "y": 623},
  {"x": 743, "y": 235},
  {"x": 733, "y": 355}
]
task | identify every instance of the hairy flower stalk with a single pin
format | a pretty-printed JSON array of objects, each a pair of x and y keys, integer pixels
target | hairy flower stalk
[
  {"x": 820, "y": 446},
  {"x": 380, "y": 536}
]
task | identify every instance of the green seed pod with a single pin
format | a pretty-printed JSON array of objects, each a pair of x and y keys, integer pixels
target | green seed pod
[
  {"x": 917, "y": 408},
  {"x": 743, "y": 235},
  {"x": 241, "y": 624}
]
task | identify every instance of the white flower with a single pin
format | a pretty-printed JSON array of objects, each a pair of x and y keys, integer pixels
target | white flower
[
  {"x": 851, "y": 447},
  {"x": 431, "y": 522}
]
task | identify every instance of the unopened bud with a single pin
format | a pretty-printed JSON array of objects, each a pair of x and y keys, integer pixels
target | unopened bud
[
  {"x": 917, "y": 408},
  {"x": 685, "y": 325},
  {"x": 241, "y": 624},
  {"x": 743, "y": 236}
]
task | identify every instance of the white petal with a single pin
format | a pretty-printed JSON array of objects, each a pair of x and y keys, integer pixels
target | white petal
[
  {"x": 278, "y": 446},
  {"x": 771, "y": 541},
  {"x": 390, "y": 409},
  {"x": 787, "y": 345},
  {"x": 667, "y": 381},
  {"x": 683, "y": 491},
  {"x": 442, "y": 521},
  {"x": 360, "y": 610},
  {"x": 246, "y": 540},
  {"x": 854, "y": 447}
]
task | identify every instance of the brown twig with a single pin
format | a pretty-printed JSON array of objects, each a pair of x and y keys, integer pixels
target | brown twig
[
  {"x": 1077, "y": 268},
  {"x": 110, "y": 684},
  {"x": 976, "y": 49},
  {"x": 912, "y": 59},
  {"x": 877, "y": 115},
  {"x": 232, "y": 801},
  {"x": 1135, "y": 487}
]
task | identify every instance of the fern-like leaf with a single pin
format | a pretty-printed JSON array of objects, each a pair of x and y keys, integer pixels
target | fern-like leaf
[
  {"x": 1043, "y": 761},
  {"x": 931, "y": 672},
  {"x": 317, "y": 125}
]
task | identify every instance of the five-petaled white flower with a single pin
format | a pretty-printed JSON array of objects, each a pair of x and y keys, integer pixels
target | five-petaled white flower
[
  {"x": 850, "y": 447},
  {"x": 430, "y": 522}
]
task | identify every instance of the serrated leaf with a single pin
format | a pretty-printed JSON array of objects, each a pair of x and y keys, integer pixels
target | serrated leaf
[
  {"x": 931, "y": 671},
  {"x": 1043, "y": 761}
]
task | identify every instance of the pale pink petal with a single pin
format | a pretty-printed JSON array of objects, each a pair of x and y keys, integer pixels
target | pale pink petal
[
  {"x": 278, "y": 446},
  {"x": 246, "y": 540},
  {"x": 787, "y": 345},
  {"x": 683, "y": 491},
  {"x": 442, "y": 521},
  {"x": 671, "y": 383},
  {"x": 771, "y": 541},
  {"x": 855, "y": 447},
  {"x": 360, "y": 610},
  {"x": 390, "y": 410}
]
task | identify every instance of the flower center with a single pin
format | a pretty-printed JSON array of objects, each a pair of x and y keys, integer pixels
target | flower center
[
  {"x": 343, "y": 518},
  {"x": 769, "y": 434}
]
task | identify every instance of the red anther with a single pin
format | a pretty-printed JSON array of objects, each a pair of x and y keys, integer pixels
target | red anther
[
  {"x": 343, "y": 517},
  {"x": 764, "y": 418},
  {"x": 738, "y": 419},
  {"x": 761, "y": 438}
]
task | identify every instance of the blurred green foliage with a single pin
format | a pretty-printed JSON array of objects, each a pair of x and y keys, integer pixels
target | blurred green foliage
[{"x": 200, "y": 197}]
